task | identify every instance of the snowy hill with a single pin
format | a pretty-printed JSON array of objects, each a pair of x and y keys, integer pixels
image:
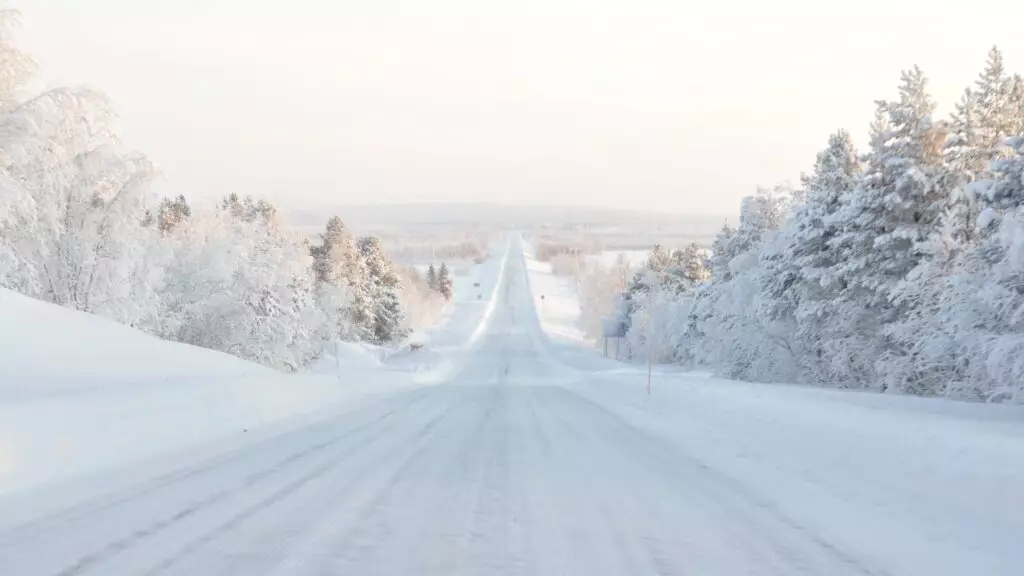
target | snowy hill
[
  {"x": 121, "y": 396},
  {"x": 45, "y": 349}
]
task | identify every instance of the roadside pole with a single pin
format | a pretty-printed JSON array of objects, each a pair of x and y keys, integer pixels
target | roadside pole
[
  {"x": 650, "y": 361},
  {"x": 337, "y": 360}
]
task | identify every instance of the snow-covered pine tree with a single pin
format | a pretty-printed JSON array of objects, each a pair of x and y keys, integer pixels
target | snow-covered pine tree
[
  {"x": 966, "y": 162},
  {"x": 692, "y": 262},
  {"x": 1002, "y": 195},
  {"x": 995, "y": 106},
  {"x": 444, "y": 282},
  {"x": 798, "y": 285},
  {"x": 1017, "y": 105},
  {"x": 706, "y": 295},
  {"x": 339, "y": 273},
  {"x": 386, "y": 317},
  {"x": 725, "y": 312},
  {"x": 983, "y": 121},
  {"x": 172, "y": 213},
  {"x": 432, "y": 278},
  {"x": 899, "y": 199}
]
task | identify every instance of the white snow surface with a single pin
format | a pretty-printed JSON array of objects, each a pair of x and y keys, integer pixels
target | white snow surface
[
  {"x": 533, "y": 458},
  {"x": 80, "y": 395}
]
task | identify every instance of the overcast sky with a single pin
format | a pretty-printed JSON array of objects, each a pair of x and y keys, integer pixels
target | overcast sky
[{"x": 682, "y": 106}]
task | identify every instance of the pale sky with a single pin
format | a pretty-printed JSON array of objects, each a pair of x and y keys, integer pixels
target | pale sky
[{"x": 663, "y": 104}]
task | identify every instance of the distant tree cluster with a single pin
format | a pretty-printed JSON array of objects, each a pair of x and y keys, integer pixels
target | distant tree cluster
[
  {"x": 440, "y": 280},
  {"x": 897, "y": 269},
  {"x": 79, "y": 227},
  {"x": 547, "y": 251},
  {"x": 475, "y": 250}
]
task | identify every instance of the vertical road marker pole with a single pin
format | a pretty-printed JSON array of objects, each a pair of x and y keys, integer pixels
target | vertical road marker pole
[
  {"x": 649, "y": 362},
  {"x": 337, "y": 360}
]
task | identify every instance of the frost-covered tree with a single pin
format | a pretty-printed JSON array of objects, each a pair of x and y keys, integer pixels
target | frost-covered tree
[
  {"x": 383, "y": 316},
  {"x": 89, "y": 200},
  {"x": 432, "y": 278},
  {"x": 984, "y": 119},
  {"x": 688, "y": 269},
  {"x": 799, "y": 288},
  {"x": 899, "y": 199},
  {"x": 16, "y": 67},
  {"x": 1016, "y": 105},
  {"x": 18, "y": 269},
  {"x": 997, "y": 111},
  {"x": 601, "y": 288},
  {"x": 1006, "y": 193},
  {"x": 966, "y": 162},
  {"x": 735, "y": 338},
  {"x": 874, "y": 274},
  {"x": 172, "y": 213},
  {"x": 340, "y": 278},
  {"x": 445, "y": 284},
  {"x": 1002, "y": 195},
  {"x": 242, "y": 286},
  {"x": 423, "y": 305}
]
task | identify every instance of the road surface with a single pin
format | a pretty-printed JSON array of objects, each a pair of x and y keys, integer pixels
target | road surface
[{"x": 499, "y": 471}]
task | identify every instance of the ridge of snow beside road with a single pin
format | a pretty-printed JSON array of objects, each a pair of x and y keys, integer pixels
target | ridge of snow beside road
[{"x": 82, "y": 396}]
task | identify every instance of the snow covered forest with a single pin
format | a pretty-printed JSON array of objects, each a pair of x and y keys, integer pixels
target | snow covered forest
[
  {"x": 899, "y": 268},
  {"x": 80, "y": 227}
]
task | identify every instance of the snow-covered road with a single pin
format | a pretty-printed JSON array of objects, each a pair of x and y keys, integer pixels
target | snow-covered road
[{"x": 501, "y": 470}]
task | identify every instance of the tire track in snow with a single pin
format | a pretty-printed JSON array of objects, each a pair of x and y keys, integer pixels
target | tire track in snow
[
  {"x": 88, "y": 561},
  {"x": 424, "y": 433}
]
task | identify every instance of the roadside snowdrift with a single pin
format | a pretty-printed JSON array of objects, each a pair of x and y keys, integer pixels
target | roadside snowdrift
[
  {"x": 46, "y": 350},
  {"x": 82, "y": 396}
]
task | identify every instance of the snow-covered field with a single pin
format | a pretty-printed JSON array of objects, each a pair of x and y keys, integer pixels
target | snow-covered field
[{"x": 537, "y": 456}]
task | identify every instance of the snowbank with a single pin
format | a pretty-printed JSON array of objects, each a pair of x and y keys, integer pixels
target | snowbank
[
  {"x": 48, "y": 350},
  {"x": 81, "y": 396}
]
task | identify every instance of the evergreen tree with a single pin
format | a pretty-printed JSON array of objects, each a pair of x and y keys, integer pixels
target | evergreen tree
[
  {"x": 338, "y": 270},
  {"x": 172, "y": 213},
  {"x": 444, "y": 282},
  {"x": 965, "y": 163},
  {"x": 817, "y": 221},
  {"x": 1007, "y": 191},
  {"x": 899, "y": 198},
  {"x": 382, "y": 308},
  {"x": 337, "y": 259},
  {"x": 1004, "y": 194},
  {"x": 720, "y": 255},
  {"x": 997, "y": 119},
  {"x": 432, "y": 278},
  {"x": 1016, "y": 106},
  {"x": 693, "y": 263}
]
